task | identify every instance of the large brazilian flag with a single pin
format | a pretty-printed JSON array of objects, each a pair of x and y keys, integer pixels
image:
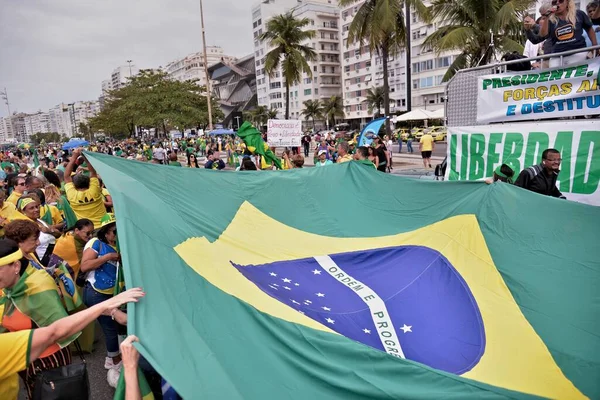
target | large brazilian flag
[{"x": 345, "y": 283}]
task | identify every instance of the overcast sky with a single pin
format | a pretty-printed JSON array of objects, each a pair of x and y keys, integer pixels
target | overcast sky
[{"x": 54, "y": 51}]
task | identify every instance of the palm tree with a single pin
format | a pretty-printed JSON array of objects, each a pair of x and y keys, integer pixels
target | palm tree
[
  {"x": 375, "y": 98},
  {"x": 333, "y": 107},
  {"x": 257, "y": 115},
  {"x": 271, "y": 113},
  {"x": 312, "y": 109},
  {"x": 381, "y": 24},
  {"x": 284, "y": 33},
  {"x": 472, "y": 25}
]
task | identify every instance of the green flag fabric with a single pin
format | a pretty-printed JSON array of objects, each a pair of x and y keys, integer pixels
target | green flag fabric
[
  {"x": 145, "y": 390},
  {"x": 408, "y": 289},
  {"x": 255, "y": 144}
]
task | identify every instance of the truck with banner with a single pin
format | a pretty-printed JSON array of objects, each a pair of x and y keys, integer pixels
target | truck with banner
[{"x": 495, "y": 117}]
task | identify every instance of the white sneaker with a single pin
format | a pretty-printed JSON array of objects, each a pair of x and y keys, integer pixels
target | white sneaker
[
  {"x": 112, "y": 377},
  {"x": 109, "y": 363}
]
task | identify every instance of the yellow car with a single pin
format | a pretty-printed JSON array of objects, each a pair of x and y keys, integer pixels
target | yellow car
[
  {"x": 417, "y": 134},
  {"x": 438, "y": 133}
]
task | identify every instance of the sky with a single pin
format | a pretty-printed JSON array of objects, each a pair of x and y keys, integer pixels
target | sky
[{"x": 60, "y": 51}]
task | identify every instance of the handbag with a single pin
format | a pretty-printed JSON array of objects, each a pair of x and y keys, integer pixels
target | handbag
[{"x": 69, "y": 382}]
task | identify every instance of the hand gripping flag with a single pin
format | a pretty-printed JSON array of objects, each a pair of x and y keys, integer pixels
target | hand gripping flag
[{"x": 410, "y": 289}]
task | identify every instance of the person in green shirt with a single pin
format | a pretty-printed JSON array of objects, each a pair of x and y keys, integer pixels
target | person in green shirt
[
  {"x": 173, "y": 160},
  {"x": 362, "y": 156}
]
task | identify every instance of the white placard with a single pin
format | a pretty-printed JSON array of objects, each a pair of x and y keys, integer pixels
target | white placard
[{"x": 284, "y": 133}]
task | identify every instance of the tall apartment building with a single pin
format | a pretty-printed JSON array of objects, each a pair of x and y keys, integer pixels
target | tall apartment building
[
  {"x": 192, "y": 66},
  {"x": 6, "y": 130},
  {"x": 363, "y": 70},
  {"x": 326, "y": 69},
  {"x": 60, "y": 120},
  {"x": 120, "y": 75},
  {"x": 37, "y": 123}
]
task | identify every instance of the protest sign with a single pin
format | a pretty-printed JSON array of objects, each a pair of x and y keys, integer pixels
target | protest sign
[
  {"x": 284, "y": 133},
  {"x": 474, "y": 152},
  {"x": 534, "y": 95}
]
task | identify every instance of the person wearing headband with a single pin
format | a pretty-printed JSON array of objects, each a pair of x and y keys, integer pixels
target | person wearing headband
[
  {"x": 22, "y": 349},
  {"x": 29, "y": 205},
  {"x": 28, "y": 295},
  {"x": 504, "y": 173}
]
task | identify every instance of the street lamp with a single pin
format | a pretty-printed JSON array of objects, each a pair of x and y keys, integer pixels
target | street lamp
[
  {"x": 208, "y": 96},
  {"x": 425, "y": 101},
  {"x": 129, "y": 62},
  {"x": 4, "y": 95}
]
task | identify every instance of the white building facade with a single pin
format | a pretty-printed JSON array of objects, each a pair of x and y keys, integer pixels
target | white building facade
[
  {"x": 326, "y": 68},
  {"x": 6, "y": 130},
  {"x": 37, "y": 123},
  {"x": 191, "y": 67}
]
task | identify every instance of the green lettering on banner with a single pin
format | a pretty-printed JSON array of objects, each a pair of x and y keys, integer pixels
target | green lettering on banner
[
  {"x": 564, "y": 144},
  {"x": 511, "y": 156},
  {"x": 464, "y": 159},
  {"x": 537, "y": 142},
  {"x": 493, "y": 157},
  {"x": 585, "y": 156},
  {"x": 453, "y": 155},
  {"x": 477, "y": 164}
]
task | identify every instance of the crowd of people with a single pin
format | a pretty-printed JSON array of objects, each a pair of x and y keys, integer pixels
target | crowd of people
[
  {"x": 562, "y": 27},
  {"x": 60, "y": 263}
]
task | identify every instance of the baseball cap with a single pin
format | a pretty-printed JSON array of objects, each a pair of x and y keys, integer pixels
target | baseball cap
[{"x": 322, "y": 152}]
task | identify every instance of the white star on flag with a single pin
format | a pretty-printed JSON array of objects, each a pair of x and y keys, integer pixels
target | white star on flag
[
  {"x": 308, "y": 301},
  {"x": 320, "y": 294},
  {"x": 273, "y": 274},
  {"x": 295, "y": 302},
  {"x": 275, "y": 284},
  {"x": 286, "y": 280},
  {"x": 316, "y": 272},
  {"x": 368, "y": 332},
  {"x": 296, "y": 284},
  {"x": 287, "y": 288},
  {"x": 406, "y": 328},
  {"x": 331, "y": 321},
  {"x": 326, "y": 308},
  {"x": 273, "y": 287}
]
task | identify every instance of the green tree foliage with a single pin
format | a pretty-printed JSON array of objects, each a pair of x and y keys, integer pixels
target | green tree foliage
[
  {"x": 313, "y": 109},
  {"x": 333, "y": 107},
  {"x": 52, "y": 137},
  {"x": 472, "y": 25},
  {"x": 285, "y": 34},
  {"x": 381, "y": 25},
  {"x": 375, "y": 99},
  {"x": 152, "y": 100},
  {"x": 259, "y": 115}
]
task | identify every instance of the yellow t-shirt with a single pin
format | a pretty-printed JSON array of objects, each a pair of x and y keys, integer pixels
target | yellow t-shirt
[
  {"x": 427, "y": 142},
  {"x": 14, "y": 197},
  {"x": 57, "y": 217},
  {"x": 10, "y": 213},
  {"x": 344, "y": 159},
  {"x": 14, "y": 357},
  {"x": 87, "y": 203}
]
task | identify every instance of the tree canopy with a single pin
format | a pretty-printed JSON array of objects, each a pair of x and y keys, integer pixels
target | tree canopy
[
  {"x": 286, "y": 35},
  {"x": 313, "y": 109},
  {"x": 471, "y": 25},
  {"x": 333, "y": 107},
  {"x": 152, "y": 100}
]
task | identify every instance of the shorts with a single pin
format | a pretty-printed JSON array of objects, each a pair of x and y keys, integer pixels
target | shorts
[{"x": 426, "y": 154}]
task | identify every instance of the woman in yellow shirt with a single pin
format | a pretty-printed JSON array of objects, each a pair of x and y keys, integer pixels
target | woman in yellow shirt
[{"x": 19, "y": 349}]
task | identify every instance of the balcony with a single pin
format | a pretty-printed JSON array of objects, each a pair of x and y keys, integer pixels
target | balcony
[
  {"x": 330, "y": 62},
  {"x": 330, "y": 84},
  {"x": 329, "y": 73}
]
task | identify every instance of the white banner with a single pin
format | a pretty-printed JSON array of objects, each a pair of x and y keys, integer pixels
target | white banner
[
  {"x": 475, "y": 151},
  {"x": 539, "y": 94},
  {"x": 284, "y": 133}
]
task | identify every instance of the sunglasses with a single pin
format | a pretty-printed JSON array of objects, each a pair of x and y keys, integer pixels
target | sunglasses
[{"x": 555, "y": 2}]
